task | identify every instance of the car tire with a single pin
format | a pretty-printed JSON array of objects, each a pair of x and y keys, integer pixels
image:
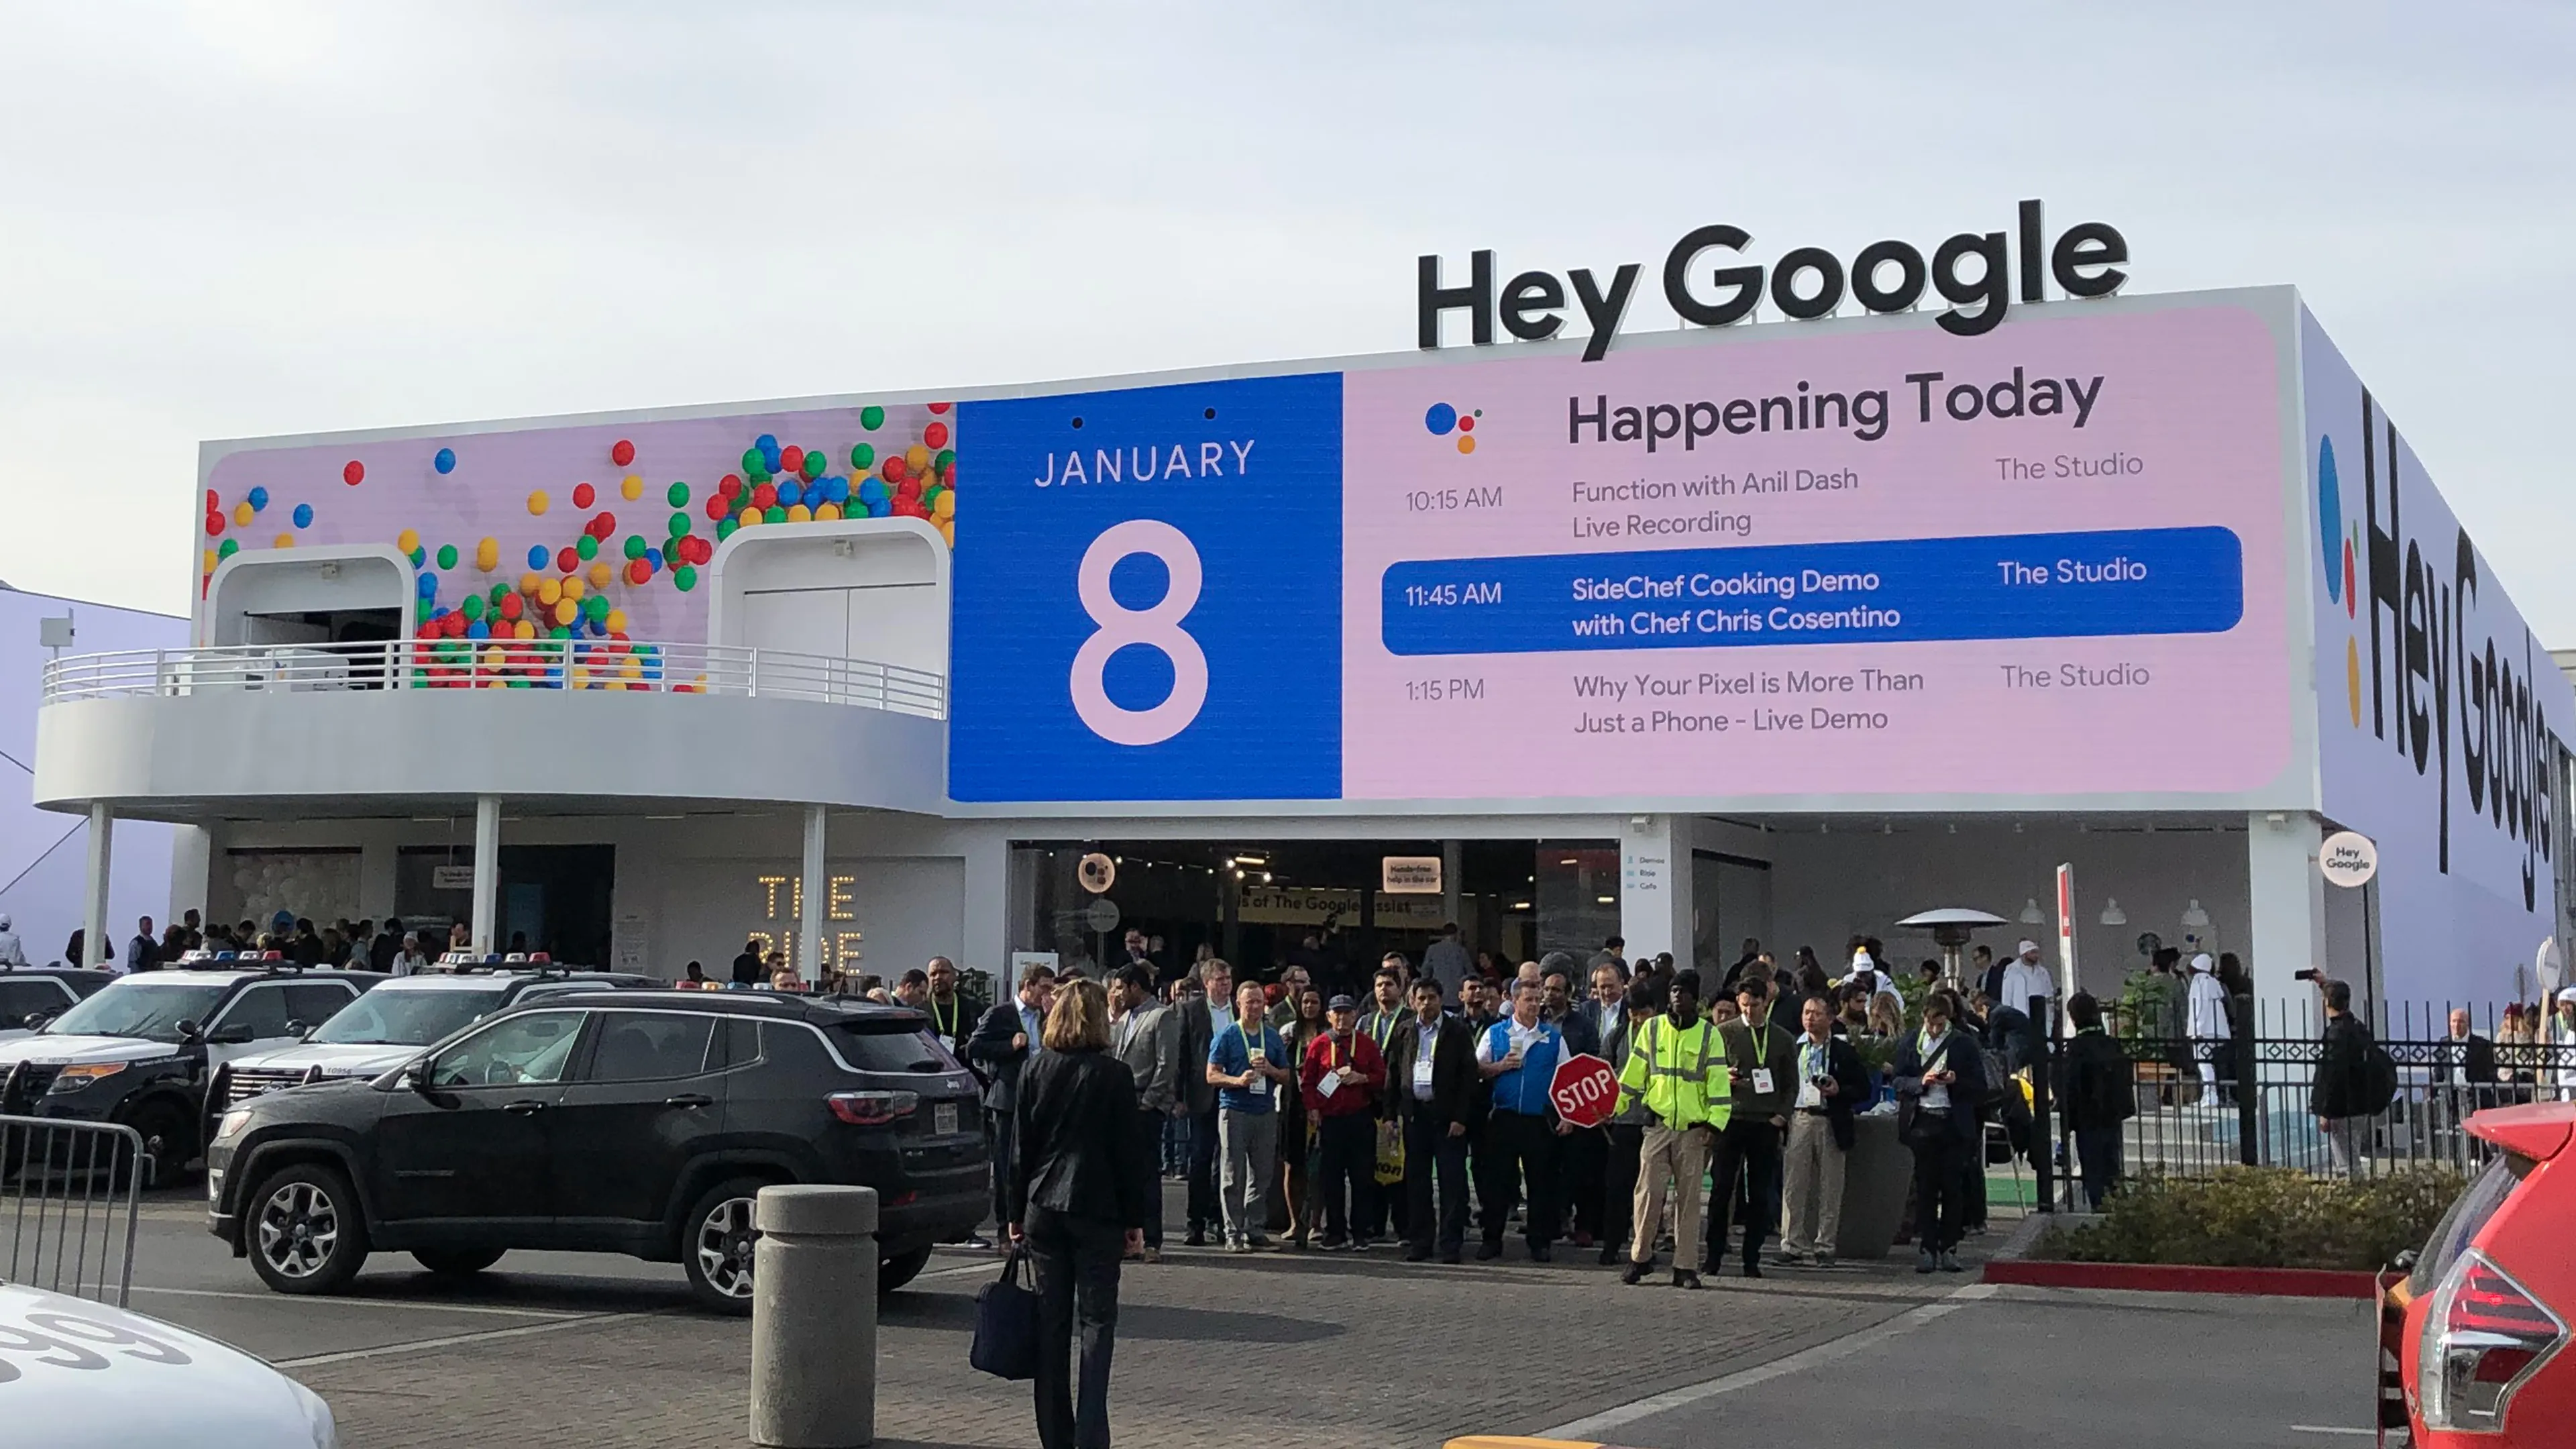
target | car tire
[
  {"x": 169, "y": 1143},
  {"x": 716, "y": 1240},
  {"x": 457, "y": 1262},
  {"x": 902, "y": 1268},
  {"x": 304, "y": 1229}
]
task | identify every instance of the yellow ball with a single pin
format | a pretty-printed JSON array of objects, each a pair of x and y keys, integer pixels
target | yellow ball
[
  {"x": 946, "y": 507},
  {"x": 916, "y": 458},
  {"x": 548, "y": 591},
  {"x": 572, "y": 589},
  {"x": 580, "y": 677},
  {"x": 537, "y": 502},
  {"x": 750, "y": 518},
  {"x": 948, "y": 531},
  {"x": 528, "y": 582},
  {"x": 527, "y": 629},
  {"x": 487, "y": 555},
  {"x": 566, "y": 611},
  {"x": 212, "y": 559},
  {"x": 826, "y": 512},
  {"x": 799, "y": 513},
  {"x": 616, "y": 621},
  {"x": 243, "y": 513},
  {"x": 286, "y": 540},
  {"x": 632, "y": 485},
  {"x": 496, "y": 684},
  {"x": 631, "y": 667},
  {"x": 407, "y": 540},
  {"x": 493, "y": 658},
  {"x": 599, "y": 574}
]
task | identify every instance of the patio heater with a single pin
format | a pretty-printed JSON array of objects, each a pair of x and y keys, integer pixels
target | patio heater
[{"x": 1951, "y": 926}]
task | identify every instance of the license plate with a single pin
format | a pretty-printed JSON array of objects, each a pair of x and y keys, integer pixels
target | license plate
[{"x": 943, "y": 1118}]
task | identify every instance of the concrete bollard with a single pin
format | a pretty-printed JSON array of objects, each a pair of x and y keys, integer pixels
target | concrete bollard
[{"x": 814, "y": 1318}]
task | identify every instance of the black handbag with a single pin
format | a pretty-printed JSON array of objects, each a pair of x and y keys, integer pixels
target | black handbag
[{"x": 1006, "y": 1325}]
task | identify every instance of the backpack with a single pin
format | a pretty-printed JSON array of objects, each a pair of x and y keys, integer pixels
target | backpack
[{"x": 2375, "y": 1086}]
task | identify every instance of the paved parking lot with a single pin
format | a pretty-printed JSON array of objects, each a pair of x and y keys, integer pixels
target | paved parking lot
[{"x": 1216, "y": 1351}]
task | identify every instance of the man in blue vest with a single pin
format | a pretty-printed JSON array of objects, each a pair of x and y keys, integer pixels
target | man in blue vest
[{"x": 1517, "y": 1057}]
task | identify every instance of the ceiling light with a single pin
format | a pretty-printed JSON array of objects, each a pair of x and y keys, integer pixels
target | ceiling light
[
  {"x": 2193, "y": 917},
  {"x": 2112, "y": 915},
  {"x": 1607, "y": 900},
  {"x": 1520, "y": 905},
  {"x": 2030, "y": 915}
]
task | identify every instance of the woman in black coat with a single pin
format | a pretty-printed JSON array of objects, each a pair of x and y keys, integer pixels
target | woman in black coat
[{"x": 1080, "y": 1186}]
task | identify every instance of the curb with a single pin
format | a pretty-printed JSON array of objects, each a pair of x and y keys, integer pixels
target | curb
[{"x": 2185, "y": 1278}]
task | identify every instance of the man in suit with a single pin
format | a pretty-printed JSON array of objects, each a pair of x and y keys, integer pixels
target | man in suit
[
  {"x": 1831, "y": 1082},
  {"x": 2464, "y": 1067},
  {"x": 1941, "y": 1073},
  {"x": 1001, "y": 1045},
  {"x": 1761, "y": 1062},
  {"x": 1207, "y": 1008},
  {"x": 1147, "y": 1036},
  {"x": 1431, "y": 1083}
]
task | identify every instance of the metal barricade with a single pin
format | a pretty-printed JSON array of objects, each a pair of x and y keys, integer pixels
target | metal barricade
[{"x": 69, "y": 1195}]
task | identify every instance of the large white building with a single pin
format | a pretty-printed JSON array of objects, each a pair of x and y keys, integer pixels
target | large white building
[{"x": 1782, "y": 632}]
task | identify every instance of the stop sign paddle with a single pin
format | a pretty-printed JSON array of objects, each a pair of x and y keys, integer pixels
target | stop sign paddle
[{"x": 1584, "y": 1090}]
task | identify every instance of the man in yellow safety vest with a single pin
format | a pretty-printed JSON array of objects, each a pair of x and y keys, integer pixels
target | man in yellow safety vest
[{"x": 1677, "y": 1065}]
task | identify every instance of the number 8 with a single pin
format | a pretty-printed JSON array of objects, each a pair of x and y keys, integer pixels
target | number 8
[{"x": 1158, "y": 628}]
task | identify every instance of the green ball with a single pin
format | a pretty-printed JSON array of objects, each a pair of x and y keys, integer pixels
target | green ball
[
  {"x": 635, "y": 545},
  {"x": 813, "y": 466},
  {"x": 596, "y": 606},
  {"x": 499, "y": 592},
  {"x": 559, "y": 632},
  {"x": 471, "y": 607},
  {"x": 586, "y": 547},
  {"x": 679, "y": 495},
  {"x": 755, "y": 475},
  {"x": 862, "y": 457},
  {"x": 725, "y": 528},
  {"x": 680, "y": 525},
  {"x": 231, "y": 546},
  {"x": 420, "y": 612},
  {"x": 419, "y": 557},
  {"x": 872, "y": 417},
  {"x": 946, "y": 460},
  {"x": 684, "y": 578},
  {"x": 752, "y": 461},
  {"x": 447, "y": 555},
  {"x": 773, "y": 514}
]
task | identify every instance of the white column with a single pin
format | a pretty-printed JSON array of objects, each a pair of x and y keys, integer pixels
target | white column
[
  {"x": 102, "y": 822},
  {"x": 813, "y": 895},
  {"x": 487, "y": 871},
  {"x": 984, "y": 936},
  {"x": 2288, "y": 903},
  {"x": 1654, "y": 886},
  {"x": 1453, "y": 896},
  {"x": 192, "y": 870}
]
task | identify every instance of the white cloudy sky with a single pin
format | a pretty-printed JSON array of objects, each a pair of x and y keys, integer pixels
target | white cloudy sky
[{"x": 230, "y": 218}]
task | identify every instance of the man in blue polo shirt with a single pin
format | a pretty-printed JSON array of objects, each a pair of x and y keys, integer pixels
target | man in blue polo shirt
[
  {"x": 1248, "y": 1064},
  {"x": 1517, "y": 1057}
]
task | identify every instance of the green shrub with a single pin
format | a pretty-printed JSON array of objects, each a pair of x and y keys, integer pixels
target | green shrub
[{"x": 2262, "y": 1217}]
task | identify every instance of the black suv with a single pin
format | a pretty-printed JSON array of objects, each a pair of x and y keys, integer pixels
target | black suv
[
  {"x": 30, "y": 996},
  {"x": 140, "y": 1051},
  {"x": 636, "y": 1122}
]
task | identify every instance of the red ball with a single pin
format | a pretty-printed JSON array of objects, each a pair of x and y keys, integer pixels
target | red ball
[
  {"x": 214, "y": 523},
  {"x": 728, "y": 485},
  {"x": 939, "y": 407},
  {"x": 935, "y": 437},
  {"x": 894, "y": 471},
  {"x": 790, "y": 458},
  {"x": 638, "y": 571},
  {"x": 583, "y": 494},
  {"x": 602, "y": 524},
  {"x": 1466, "y": 425},
  {"x": 510, "y": 606},
  {"x": 567, "y": 559},
  {"x": 908, "y": 488},
  {"x": 764, "y": 495},
  {"x": 621, "y": 452},
  {"x": 212, "y": 502},
  {"x": 355, "y": 472},
  {"x": 718, "y": 506}
]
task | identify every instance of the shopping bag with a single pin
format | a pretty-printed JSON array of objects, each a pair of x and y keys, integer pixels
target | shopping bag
[
  {"x": 1390, "y": 1153},
  {"x": 1006, "y": 1326}
]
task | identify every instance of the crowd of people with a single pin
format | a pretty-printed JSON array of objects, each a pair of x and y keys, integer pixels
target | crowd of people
[{"x": 343, "y": 944}]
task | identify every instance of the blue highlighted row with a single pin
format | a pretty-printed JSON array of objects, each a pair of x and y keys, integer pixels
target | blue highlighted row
[{"x": 2005, "y": 586}]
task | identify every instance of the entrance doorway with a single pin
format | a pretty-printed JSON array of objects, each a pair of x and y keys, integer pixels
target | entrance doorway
[{"x": 553, "y": 898}]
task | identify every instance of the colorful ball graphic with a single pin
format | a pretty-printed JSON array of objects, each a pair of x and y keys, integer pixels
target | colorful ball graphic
[
  {"x": 214, "y": 524},
  {"x": 684, "y": 578},
  {"x": 243, "y": 513},
  {"x": 872, "y": 417},
  {"x": 677, "y": 495},
  {"x": 304, "y": 512},
  {"x": 354, "y": 474},
  {"x": 447, "y": 556},
  {"x": 621, "y": 452},
  {"x": 1440, "y": 419},
  {"x": 631, "y": 487},
  {"x": 444, "y": 461},
  {"x": 257, "y": 498},
  {"x": 407, "y": 540},
  {"x": 537, "y": 503},
  {"x": 231, "y": 546},
  {"x": 585, "y": 547},
  {"x": 536, "y": 555}
]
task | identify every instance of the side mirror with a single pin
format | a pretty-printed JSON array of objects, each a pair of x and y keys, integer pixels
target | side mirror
[
  {"x": 2404, "y": 1262},
  {"x": 237, "y": 1034},
  {"x": 190, "y": 1032},
  {"x": 416, "y": 1076},
  {"x": 35, "y": 1020},
  {"x": 297, "y": 1029}
]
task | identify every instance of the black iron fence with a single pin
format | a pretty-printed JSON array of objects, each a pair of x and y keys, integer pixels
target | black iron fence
[{"x": 2244, "y": 1094}]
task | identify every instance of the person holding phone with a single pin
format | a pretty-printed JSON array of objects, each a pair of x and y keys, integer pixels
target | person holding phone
[
  {"x": 1831, "y": 1083},
  {"x": 1938, "y": 1071},
  {"x": 1247, "y": 1064}
]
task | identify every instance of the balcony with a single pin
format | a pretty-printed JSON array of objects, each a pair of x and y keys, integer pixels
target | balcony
[{"x": 319, "y": 729}]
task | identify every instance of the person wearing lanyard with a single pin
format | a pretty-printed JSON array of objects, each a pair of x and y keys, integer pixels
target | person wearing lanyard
[
  {"x": 1830, "y": 1082},
  {"x": 1247, "y": 1066},
  {"x": 1940, "y": 1073},
  {"x": 947, "y": 1013},
  {"x": 1381, "y": 1203},
  {"x": 1517, "y": 1057},
  {"x": 1762, "y": 1064},
  {"x": 1340, "y": 1077},
  {"x": 1431, "y": 1090}
]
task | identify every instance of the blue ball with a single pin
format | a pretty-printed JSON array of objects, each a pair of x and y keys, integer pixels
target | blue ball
[
  {"x": 258, "y": 499},
  {"x": 879, "y": 508},
  {"x": 872, "y": 492},
  {"x": 536, "y": 555},
  {"x": 1440, "y": 418},
  {"x": 772, "y": 456},
  {"x": 790, "y": 494},
  {"x": 478, "y": 630},
  {"x": 653, "y": 556},
  {"x": 836, "y": 489},
  {"x": 445, "y": 462},
  {"x": 304, "y": 515},
  {"x": 766, "y": 442},
  {"x": 429, "y": 586}
]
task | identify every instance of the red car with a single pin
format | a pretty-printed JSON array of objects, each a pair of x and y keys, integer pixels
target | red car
[{"x": 2472, "y": 1339}]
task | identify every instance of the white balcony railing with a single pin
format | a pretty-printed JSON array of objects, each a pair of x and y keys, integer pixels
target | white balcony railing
[{"x": 586, "y": 664}]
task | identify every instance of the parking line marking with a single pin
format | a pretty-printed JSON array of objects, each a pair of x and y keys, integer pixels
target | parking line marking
[
  {"x": 1597, "y": 1425},
  {"x": 2328, "y": 1429},
  {"x": 449, "y": 1341},
  {"x": 324, "y": 1302}
]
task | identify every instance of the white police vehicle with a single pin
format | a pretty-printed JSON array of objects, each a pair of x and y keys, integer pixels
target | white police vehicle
[
  {"x": 81, "y": 1375},
  {"x": 392, "y": 1023},
  {"x": 30, "y": 996}
]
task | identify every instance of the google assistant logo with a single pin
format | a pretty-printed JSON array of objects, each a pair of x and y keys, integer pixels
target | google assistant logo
[
  {"x": 1443, "y": 420},
  {"x": 2342, "y": 543}
]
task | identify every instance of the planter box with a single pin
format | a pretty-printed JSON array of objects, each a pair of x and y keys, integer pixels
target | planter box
[{"x": 1876, "y": 1174}]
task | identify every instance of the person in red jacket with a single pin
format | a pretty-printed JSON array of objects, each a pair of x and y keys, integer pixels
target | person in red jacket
[{"x": 1341, "y": 1078}]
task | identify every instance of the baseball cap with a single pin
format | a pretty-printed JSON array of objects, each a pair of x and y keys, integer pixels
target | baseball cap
[
  {"x": 2025, "y": 946},
  {"x": 1342, "y": 1002}
]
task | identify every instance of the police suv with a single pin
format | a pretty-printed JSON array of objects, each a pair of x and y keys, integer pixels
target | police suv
[
  {"x": 30, "y": 996},
  {"x": 141, "y": 1050},
  {"x": 84, "y": 1375}
]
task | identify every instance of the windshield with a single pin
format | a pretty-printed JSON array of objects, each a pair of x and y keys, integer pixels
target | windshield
[
  {"x": 406, "y": 1018},
  {"x": 151, "y": 1009}
]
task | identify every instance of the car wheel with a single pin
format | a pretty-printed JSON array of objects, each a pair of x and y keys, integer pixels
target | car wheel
[
  {"x": 457, "y": 1262},
  {"x": 169, "y": 1144},
  {"x": 900, "y": 1269},
  {"x": 305, "y": 1232},
  {"x": 716, "y": 1245}
]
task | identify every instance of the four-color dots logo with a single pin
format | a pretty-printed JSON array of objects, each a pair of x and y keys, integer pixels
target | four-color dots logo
[
  {"x": 1443, "y": 420},
  {"x": 2342, "y": 544}
]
